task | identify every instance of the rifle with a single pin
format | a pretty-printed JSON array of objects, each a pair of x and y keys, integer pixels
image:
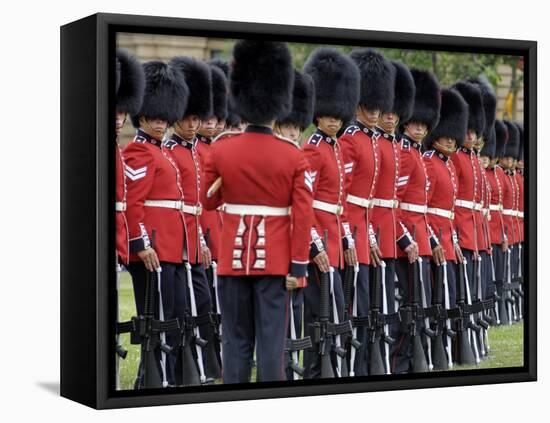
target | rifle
[
  {"x": 121, "y": 353},
  {"x": 376, "y": 323},
  {"x": 213, "y": 346},
  {"x": 466, "y": 353},
  {"x": 440, "y": 316},
  {"x": 473, "y": 328},
  {"x": 351, "y": 343},
  {"x": 415, "y": 313},
  {"x": 150, "y": 334},
  {"x": 339, "y": 329},
  {"x": 293, "y": 345}
]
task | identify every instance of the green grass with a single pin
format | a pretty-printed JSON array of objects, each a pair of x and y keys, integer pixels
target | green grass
[{"x": 506, "y": 342}]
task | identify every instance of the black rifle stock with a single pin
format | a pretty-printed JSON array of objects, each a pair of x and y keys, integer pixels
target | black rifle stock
[{"x": 466, "y": 355}]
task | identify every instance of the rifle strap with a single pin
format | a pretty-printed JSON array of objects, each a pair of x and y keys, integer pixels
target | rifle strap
[{"x": 292, "y": 345}]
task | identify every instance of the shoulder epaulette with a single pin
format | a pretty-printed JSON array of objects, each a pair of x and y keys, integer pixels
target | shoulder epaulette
[
  {"x": 280, "y": 137},
  {"x": 352, "y": 129},
  {"x": 428, "y": 153},
  {"x": 315, "y": 139},
  {"x": 226, "y": 134},
  {"x": 405, "y": 144}
]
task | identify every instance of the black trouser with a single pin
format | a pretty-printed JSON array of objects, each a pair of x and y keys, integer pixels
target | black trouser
[
  {"x": 255, "y": 314},
  {"x": 297, "y": 306},
  {"x": 312, "y": 361},
  {"x": 403, "y": 353},
  {"x": 173, "y": 283}
]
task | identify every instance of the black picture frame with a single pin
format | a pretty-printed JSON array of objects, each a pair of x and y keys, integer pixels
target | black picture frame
[{"x": 87, "y": 215}]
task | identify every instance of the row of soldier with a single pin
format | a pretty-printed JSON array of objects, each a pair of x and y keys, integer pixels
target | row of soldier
[{"x": 388, "y": 242}]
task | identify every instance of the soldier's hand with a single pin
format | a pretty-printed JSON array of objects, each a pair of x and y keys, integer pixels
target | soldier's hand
[
  {"x": 438, "y": 254},
  {"x": 350, "y": 255},
  {"x": 375, "y": 255},
  {"x": 206, "y": 257},
  {"x": 504, "y": 246},
  {"x": 412, "y": 252},
  {"x": 321, "y": 260},
  {"x": 458, "y": 253},
  {"x": 291, "y": 282},
  {"x": 149, "y": 258}
]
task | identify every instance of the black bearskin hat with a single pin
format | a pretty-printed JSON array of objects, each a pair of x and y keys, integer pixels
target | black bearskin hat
[
  {"x": 427, "y": 100},
  {"x": 512, "y": 145},
  {"x": 219, "y": 92},
  {"x": 199, "y": 80},
  {"x": 521, "y": 141},
  {"x": 489, "y": 100},
  {"x": 501, "y": 137},
  {"x": 377, "y": 79},
  {"x": 453, "y": 120},
  {"x": 261, "y": 80},
  {"x": 489, "y": 147},
  {"x": 303, "y": 99},
  {"x": 232, "y": 118},
  {"x": 404, "y": 92},
  {"x": 166, "y": 93},
  {"x": 472, "y": 94},
  {"x": 130, "y": 82},
  {"x": 336, "y": 79}
]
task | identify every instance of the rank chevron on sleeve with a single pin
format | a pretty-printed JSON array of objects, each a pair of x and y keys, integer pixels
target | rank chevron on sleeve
[{"x": 135, "y": 174}]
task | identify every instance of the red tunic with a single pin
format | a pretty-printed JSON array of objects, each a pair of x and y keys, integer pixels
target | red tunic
[
  {"x": 185, "y": 155},
  {"x": 495, "y": 177},
  {"x": 465, "y": 162},
  {"x": 260, "y": 169},
  {"x": 412, "y": 186},
  {"x": 152, "y": 174},
  {"x": 211, "y": 220},
  {"x": 484, "y": 216},
  {"x": 120, "y": 198},
  {"x": 442, "y": 190},
  {"x": 385, "y": 218},
  {"x": 520, "y": 205},
  {"x": 509, "y": 205},
  {"x": 327, "y": 167},
  {"x": 360, "y": 146}
]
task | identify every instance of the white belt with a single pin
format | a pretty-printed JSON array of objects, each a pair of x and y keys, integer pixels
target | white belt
[
  {"x": 389, "y": 204},
  {"x": 449, "y": 214},
  {"x": 249, "y": 210},
  {"x": 520, "y": 214},
  {"x": 485, "y": 212},
  {"x": 336, "y": 209},
  {"x": 177, "y": 205},
  {"x": 359, "y": 201},
  {"x": 495, "y": 207},
  {"x": 509, "y": 212},
  {"x": 120, "y": 206},
  {"x": 478, "y": 206},
  {"x": 417, "y": 208},
  {"x": 468, "y": 204}
]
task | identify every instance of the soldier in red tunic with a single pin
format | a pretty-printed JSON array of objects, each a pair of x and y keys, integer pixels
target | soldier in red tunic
[
  {"x": 412, "y": 191},
  {"x": 442, "y": 190},
  {"x": 129, "y": 95},
  {"x": 511, "y": 207},
  {"x": 360, "y": 145},
  {"x": 520, "y": 184},
  {"x": 384, "y": 218},
  {"x": 211, "y": 220},
  {"x": 182, "y": 146},
  {"x": 489, "y": 100},
  {"x": 468, "y": 172},
  {"x": 130, "y": 83},
  {"x": 265, "y": 185},
  {"x": 336, "y": 80},
  {"x": 154, "y": 199},
  {"x": 495, "y": 177},
  {"x": 292, "y": 127}
]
